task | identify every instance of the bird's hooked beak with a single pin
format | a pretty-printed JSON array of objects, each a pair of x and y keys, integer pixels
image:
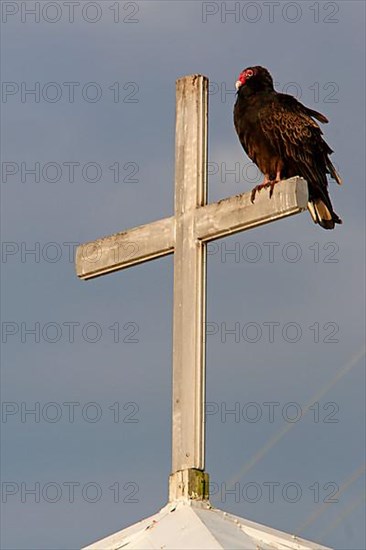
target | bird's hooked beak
[{"x": 238, "y": 84}]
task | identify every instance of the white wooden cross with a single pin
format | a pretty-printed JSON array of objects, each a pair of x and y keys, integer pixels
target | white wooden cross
[{"x": 186, "y": 234}]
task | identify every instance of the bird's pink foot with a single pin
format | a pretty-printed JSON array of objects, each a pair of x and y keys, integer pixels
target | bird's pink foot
[
  {"x": 258, "y": 188},
  {"x": 266, "y": 183}
]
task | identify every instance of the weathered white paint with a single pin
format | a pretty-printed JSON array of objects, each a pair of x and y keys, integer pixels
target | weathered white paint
[
  {"x": 125, "y": 249},
  {"x": 237, "y": 213},
  {"x": 212, "y": 221},
  {"x": 189, "y": 525},
  {"x": 189, "y": 275}
]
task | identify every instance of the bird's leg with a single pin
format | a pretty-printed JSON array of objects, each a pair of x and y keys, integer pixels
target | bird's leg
[
  {"x": 265, "y": 183},
  {"x": 273, "y": 182}
]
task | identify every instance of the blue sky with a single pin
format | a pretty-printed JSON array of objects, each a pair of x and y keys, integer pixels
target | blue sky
[{"x": 114, "y": 449}]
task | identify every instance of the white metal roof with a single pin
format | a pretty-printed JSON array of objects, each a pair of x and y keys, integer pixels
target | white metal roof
[{"x": 189, "y": 524}]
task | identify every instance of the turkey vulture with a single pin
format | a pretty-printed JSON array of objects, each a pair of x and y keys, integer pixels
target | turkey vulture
[{"x": 281, "y": 137}]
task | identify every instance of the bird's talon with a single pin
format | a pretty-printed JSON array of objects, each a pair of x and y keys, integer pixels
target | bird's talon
[
  {"x": 272, "y": 184},
  {"x": 259, "y": 188}
]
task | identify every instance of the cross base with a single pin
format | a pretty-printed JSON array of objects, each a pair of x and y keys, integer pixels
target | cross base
[{"x": 189, "y": 484}]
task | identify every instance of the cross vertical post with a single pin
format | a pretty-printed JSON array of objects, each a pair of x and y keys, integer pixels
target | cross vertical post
[{"x": 188, "y": 438}]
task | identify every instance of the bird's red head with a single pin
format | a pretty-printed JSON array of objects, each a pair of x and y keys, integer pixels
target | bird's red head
[
  {"x": 257, "y": 77},
  {"x": 244, "y": 76}
]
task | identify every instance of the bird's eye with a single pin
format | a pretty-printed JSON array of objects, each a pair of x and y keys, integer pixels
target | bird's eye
[{"x": 249, "y": 73}]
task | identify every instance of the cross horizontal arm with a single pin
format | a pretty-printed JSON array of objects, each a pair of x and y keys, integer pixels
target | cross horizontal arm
[
  {"x": 125, "y": 249},
  {"x": 212, "y": 221},
  {"x": 238, "y": 213}
]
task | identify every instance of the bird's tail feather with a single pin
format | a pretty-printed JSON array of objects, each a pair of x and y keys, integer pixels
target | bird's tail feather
[
  {"x": 333, "y": 172},
  {"x": 322, "y": 215},
  {"x": 319, "y": 116}
]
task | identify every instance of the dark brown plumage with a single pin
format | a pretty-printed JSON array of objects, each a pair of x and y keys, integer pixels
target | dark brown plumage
[{"x": 281, "y": 137}]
